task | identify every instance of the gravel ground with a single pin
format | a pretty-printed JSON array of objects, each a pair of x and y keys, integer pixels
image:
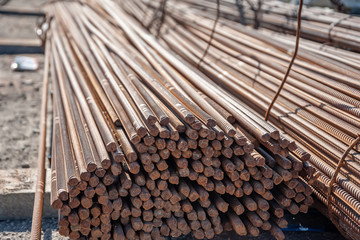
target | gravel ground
[{"x": 20, "y": 229}]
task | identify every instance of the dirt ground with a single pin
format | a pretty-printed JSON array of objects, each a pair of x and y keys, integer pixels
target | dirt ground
[
  {"x": 20, "y": 99},
  {"x": 20, "y": 93}
]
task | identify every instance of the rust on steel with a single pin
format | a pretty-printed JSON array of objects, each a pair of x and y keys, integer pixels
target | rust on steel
[
  {"x": 40, "y": 181},
  {"x": 298, "y": 30}
]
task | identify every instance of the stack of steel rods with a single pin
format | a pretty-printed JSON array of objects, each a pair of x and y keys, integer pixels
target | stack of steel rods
[
  {"x": 141, "y": 150},
  {"x": 338, "y": 29},
  {"x": 318, "y": 107}
]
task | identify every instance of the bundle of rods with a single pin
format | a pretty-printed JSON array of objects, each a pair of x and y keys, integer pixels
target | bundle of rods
[
  {"x": 318, "y": 106},
  {"x": 146, "y": 146},
  {"x": 318, "y": 24}
]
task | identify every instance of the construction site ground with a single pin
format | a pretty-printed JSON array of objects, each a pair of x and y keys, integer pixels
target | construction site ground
[{"x": 20, "y": 98}]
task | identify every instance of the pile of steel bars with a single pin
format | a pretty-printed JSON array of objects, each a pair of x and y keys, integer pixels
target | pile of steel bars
[
  {"x": 318, "y": 24},
  {"x": 318, "y": 107},
  {"x": 145, "y": 145}
]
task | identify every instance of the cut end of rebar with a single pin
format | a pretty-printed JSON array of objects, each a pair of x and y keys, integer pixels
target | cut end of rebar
[
  {"x": 275, "y": 135},
  {"x": 164, "y": 134},
  {"x": 192, "y": 134},
  {"x": 220, "y": 135},
  {"x": 85, "y": 176},
  {"x": 211, "y": 122},
  {"x": 164, "y": 121},
  {"x": 73, "y": 181},
  {"x": 134, "y": 168},
  {"x": 151, "y": 120},
  {"x": 141, "y": 131},
  {"x": 154, "y": 132},
  {"x": 135, "y": 139},
  {"x": 305, "y": 157},
  {"x": 91, "y": 167},
  {"x": 231, "y": 119},
  {"x": 190, "y": 118},
  {"x": 241, "y": 140},
  {"x": 111, "y": 146},
  {"x": 63, "y": 195},
  {"x": 249, "y": 147},
  {"x": 265, "y": 137},
  {"x": 57, "y": 204},
  {"x": 181, "y": 128},
  {"x": 100, "y": 172},
  {"x": 106, "y": 163},
  {"x": 231, "y": 132},
  {"x": 292, "y": 146},
  {"x": 131, "y": 157}
]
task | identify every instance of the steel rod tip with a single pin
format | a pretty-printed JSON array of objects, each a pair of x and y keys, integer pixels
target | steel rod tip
[
  {"x": 134, "y": 139},
  {"x": 275, "y": 135},
  {"x": 106, "y": 163},
  {"x": 164, "y": 121},
  {"x": 91, "y": 167},
  {"x": 111, "y": 146},
  {"x": 211, "y": 122},
  {"x": 265, "y": 137},
  {"x": 190, "y": 118}
]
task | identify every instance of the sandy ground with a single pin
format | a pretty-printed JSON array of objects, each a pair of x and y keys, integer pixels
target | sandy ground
[
  {"x": 20, "y": 92},
  {"x": 20, "y": 98}
]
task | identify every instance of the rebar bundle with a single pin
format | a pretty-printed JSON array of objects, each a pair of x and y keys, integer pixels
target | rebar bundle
[
  {"x": 318, "y": 24},
  {"x": 318, "y": 106},
  {"x": 146, "y": 145}
]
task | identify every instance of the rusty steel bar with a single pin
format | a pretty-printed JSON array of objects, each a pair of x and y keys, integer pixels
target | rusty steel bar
[
  {"x": 313, "y": 108},
  {"x": 40, "y": 181},
  {"x": 291, "y": 62}
]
